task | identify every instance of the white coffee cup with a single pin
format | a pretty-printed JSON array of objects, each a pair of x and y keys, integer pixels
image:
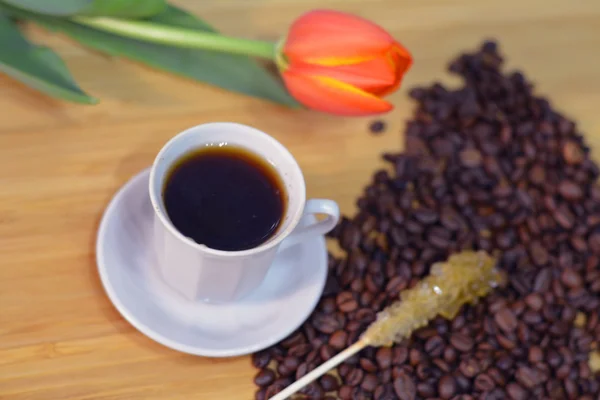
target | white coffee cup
[{"x": 199, "y": 273}]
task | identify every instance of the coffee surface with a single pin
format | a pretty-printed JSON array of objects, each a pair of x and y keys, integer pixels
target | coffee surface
[{"x": 226, "y": 198}]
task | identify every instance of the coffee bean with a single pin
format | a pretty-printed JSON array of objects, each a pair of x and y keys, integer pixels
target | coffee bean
[
  {"x": 261, "y": 359},
  {"x": 537, "y": 174},
  {"x": 405, "y": 369},
  {"x": 355, "y": 377},
  {"x": 572, "y": 153},
  {"x": 469, "y": 368},
  {"x": 346, "y": 302},
  {"x": 302, "y": 370},
  {"x": 563, "y": 371},
  {"x": 426, "y": 390},
  {"x": 571, "y": 389},
  {"x": 584, "y": 370},
  {"x": 534, "y": 301},
  {"x": 543, "y": 280},
  {"x": 385, "y": 376},
  {"x": 309, "y": 331},
  {"x": 539, "y": 255},
  {"x": 447, "y": 387},
  {"x": 395, "y": 284},
  {"x": 439, "y": 238},
  {"x": 571, "y": 278},
  {"x": 414, "y": 357},
  {"x": 338, "y": 340},
  {"x": 328, "y": 383},
  {"x": 368, "y": 365},
  {"x": 528, "y": 377},
  {"x": 377, "y": 127},
  {"x": 423, "y": 370},
  {"x": 300, "y": 350},
  {"x": 284, "y": 371},
  {"x": 497, "y": 376},
  {"x": 328, "y": 305},
  {"x": 260, "y": 394},
  {"x": 365, "y": 315},
  {"x": 464, "y": 397},
  {"x": 325, "y": 323},
  {"x": 313, "y": 391},
  {"x": 461, "y": 342},
  {"x": 369, "y": 382},
  {"x": 450, "y": 355},
  {"x": 326, "y": 352},
  {"x": 275, "y": 388},
  {"x": 359, "y": 394},
  {"x": 532, "y": 318},
  {"x": 553, "y": 358},
  {"x": 497, "y": 394},
  {"x": 405, "y": 388},
  {"x": 505, "y": 362},
  {"x": 506, "y": 320},
  {"x": 506, "y": 342},
  {"x": 384, "y": 357},
  {"x": 463, "y": 383},
  {"x": 594, "y": 242},
  {"x": 400, "y": 355},
  {"x": 442, "y": 365},
  {"x": 293, "y": 340},
  {"x": 470, "y": 158},
  {"x": 345, "y": 392},
  {"x": 484, "y": 383},
  {"x": 426, "y": 216},
  {"x": 264, "y": 378},
  {"x": 564, "y": 217},
  {"x": 312, "y": 356},
  {"x": 570, "y": 190},
  {"x": 434, "y": 346},
  {"x": 516, "y": 392},
  {"x": 535, "y": 354}
]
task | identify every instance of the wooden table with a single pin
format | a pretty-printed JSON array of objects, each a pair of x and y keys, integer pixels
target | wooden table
[{"x": 60, "y": 337}]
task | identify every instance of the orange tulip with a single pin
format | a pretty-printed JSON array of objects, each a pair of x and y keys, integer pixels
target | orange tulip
[{"x": 341, "y": 64}]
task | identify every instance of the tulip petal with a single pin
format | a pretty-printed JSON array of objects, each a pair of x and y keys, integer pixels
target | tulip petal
[
  {"x": 329, "y": 95},
  {"x": 372, "y": 76},
  {"x": 400, "y": 60},
  {"x": 331, "y": 37},
  {"x": 378, "y": 76}
]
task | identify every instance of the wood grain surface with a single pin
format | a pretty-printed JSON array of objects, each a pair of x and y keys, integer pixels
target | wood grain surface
[{"x": 60, "y": 337}]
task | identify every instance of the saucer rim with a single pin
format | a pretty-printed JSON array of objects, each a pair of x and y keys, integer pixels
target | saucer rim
[{"x": 114, "y": 297}]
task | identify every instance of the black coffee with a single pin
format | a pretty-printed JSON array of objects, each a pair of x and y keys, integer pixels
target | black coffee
[{"x": 226, "y": 198}]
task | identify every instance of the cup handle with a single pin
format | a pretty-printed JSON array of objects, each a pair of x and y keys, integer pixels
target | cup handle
[{"x": 314, "y": 206}]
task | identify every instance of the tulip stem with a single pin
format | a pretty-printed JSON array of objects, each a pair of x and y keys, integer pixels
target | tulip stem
[{"x": 180, "y": 37}]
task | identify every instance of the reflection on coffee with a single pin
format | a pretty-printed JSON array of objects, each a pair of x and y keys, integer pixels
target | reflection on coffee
[{"x": 225, "y": 197}]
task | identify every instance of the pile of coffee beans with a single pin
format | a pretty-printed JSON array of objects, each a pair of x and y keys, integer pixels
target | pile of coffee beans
[{"x": 487, "y": 166}]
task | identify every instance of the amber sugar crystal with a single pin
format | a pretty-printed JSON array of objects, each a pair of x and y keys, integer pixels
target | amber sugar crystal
[{"x": 462, "y": 279}]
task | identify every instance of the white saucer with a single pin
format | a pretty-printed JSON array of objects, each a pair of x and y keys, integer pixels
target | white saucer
[{"x": 127, "y": 269}]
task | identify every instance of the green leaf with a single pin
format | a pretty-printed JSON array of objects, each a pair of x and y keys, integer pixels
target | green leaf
[
  {"x": 106, "y": 8},
  {"x": 231, "y": 72},
  {"x": 174, "y": 16},
  {"x": 125, "y": 8},
  {"x": 51, "y": 7},
  {"x": 36, "y": 66}
]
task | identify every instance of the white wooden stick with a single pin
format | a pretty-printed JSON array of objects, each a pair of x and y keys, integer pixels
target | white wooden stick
[{"x": 321, "y": 370}]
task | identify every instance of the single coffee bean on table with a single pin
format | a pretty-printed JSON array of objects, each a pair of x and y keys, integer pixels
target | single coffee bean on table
[
  {"x": 488, "y": 166},
  {"x": 376, "y": 127}
]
